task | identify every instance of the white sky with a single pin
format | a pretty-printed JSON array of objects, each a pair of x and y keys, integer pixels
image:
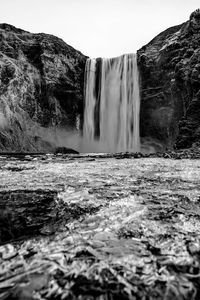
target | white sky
[{"x": 97, "y": 28}]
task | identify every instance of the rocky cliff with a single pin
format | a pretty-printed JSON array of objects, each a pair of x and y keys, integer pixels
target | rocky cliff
[
  {"x": 41, "y": 87},
  {"x": 170, "y": 86}
]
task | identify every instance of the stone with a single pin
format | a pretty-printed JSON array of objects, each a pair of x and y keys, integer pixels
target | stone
[
  {"x": 8, "y": 252},
  {"x": 25, "y": 212},
  {"x": 104, "y": 236},
  {"x": 64, "y": 150}
]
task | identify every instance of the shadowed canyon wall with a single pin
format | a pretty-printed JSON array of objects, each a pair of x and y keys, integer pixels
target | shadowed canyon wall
[
  {"x": 41, "y": 87},
  {"x": 170, "y": 86}
]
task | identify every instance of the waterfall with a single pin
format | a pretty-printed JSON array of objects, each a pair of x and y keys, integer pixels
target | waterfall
[{"x": 112, "y": 104}]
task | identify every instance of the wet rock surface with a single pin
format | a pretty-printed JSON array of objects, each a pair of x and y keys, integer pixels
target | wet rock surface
[
  {"x": 64, "y": 150},
  {"x": 24, "y": 212},
  {"x": 170, "y": 88},
  {"x": 41, "y": 89},
  {"x": 129, "y": 228}
]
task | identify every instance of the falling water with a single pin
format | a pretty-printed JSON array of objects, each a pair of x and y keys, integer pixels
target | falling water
[{"x": 112, "y": 104}]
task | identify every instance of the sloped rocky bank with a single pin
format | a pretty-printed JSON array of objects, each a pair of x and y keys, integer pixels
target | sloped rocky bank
[{"x": 41, "y": 89}]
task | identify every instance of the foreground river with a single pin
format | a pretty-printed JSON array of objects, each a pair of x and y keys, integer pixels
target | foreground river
[{"x": 93, "y": 227}]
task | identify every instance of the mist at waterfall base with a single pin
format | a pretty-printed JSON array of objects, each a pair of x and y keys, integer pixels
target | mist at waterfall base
[{"x": 112, "y": 105}]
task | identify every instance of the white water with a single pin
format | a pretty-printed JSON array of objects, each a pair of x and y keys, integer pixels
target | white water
[{"x": 112, "y": 105}]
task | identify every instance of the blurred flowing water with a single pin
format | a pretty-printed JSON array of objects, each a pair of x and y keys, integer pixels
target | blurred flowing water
[{"x": 112, "y": 105}]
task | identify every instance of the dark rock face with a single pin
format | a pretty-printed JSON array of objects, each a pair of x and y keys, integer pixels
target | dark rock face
[
  {"x": 41, "y": 86},
  {"x": 170, "y": 85},
  {"x": 64, "y": 150},
  {"x": 26, "y": 212}
]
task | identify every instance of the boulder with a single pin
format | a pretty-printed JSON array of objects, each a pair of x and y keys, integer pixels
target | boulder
[
  {"x": 64, "y": 150},
  {"x": 25, "y": 212}
]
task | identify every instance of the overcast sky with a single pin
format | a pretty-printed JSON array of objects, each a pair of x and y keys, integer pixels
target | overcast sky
[{"x": 97, "y": 28}]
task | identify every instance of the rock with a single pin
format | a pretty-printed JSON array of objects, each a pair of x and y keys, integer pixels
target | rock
[
  {"x": 7, "y": 252},
  {"x": 64, "y": 150},
  {"x": 170, "y": 85},
  {"x": 41, "y": 88},
  {"x": 25, "y": 212},
  {"x": 104, "y": 236}
]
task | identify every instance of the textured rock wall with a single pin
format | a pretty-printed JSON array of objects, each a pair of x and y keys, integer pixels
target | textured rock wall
[
  {"x": 170, "y": 86},
  {"x": 41, "y": 86}
]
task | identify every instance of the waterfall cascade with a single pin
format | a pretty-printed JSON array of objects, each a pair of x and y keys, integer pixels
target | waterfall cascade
[{"x": 112, "y": 104}]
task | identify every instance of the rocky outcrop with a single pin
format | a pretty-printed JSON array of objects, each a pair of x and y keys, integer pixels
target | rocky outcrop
[
  {"x": 25, "y": 212},
  {"x": 170, "y": 86},
  {"x": 41, "y": 89}
]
